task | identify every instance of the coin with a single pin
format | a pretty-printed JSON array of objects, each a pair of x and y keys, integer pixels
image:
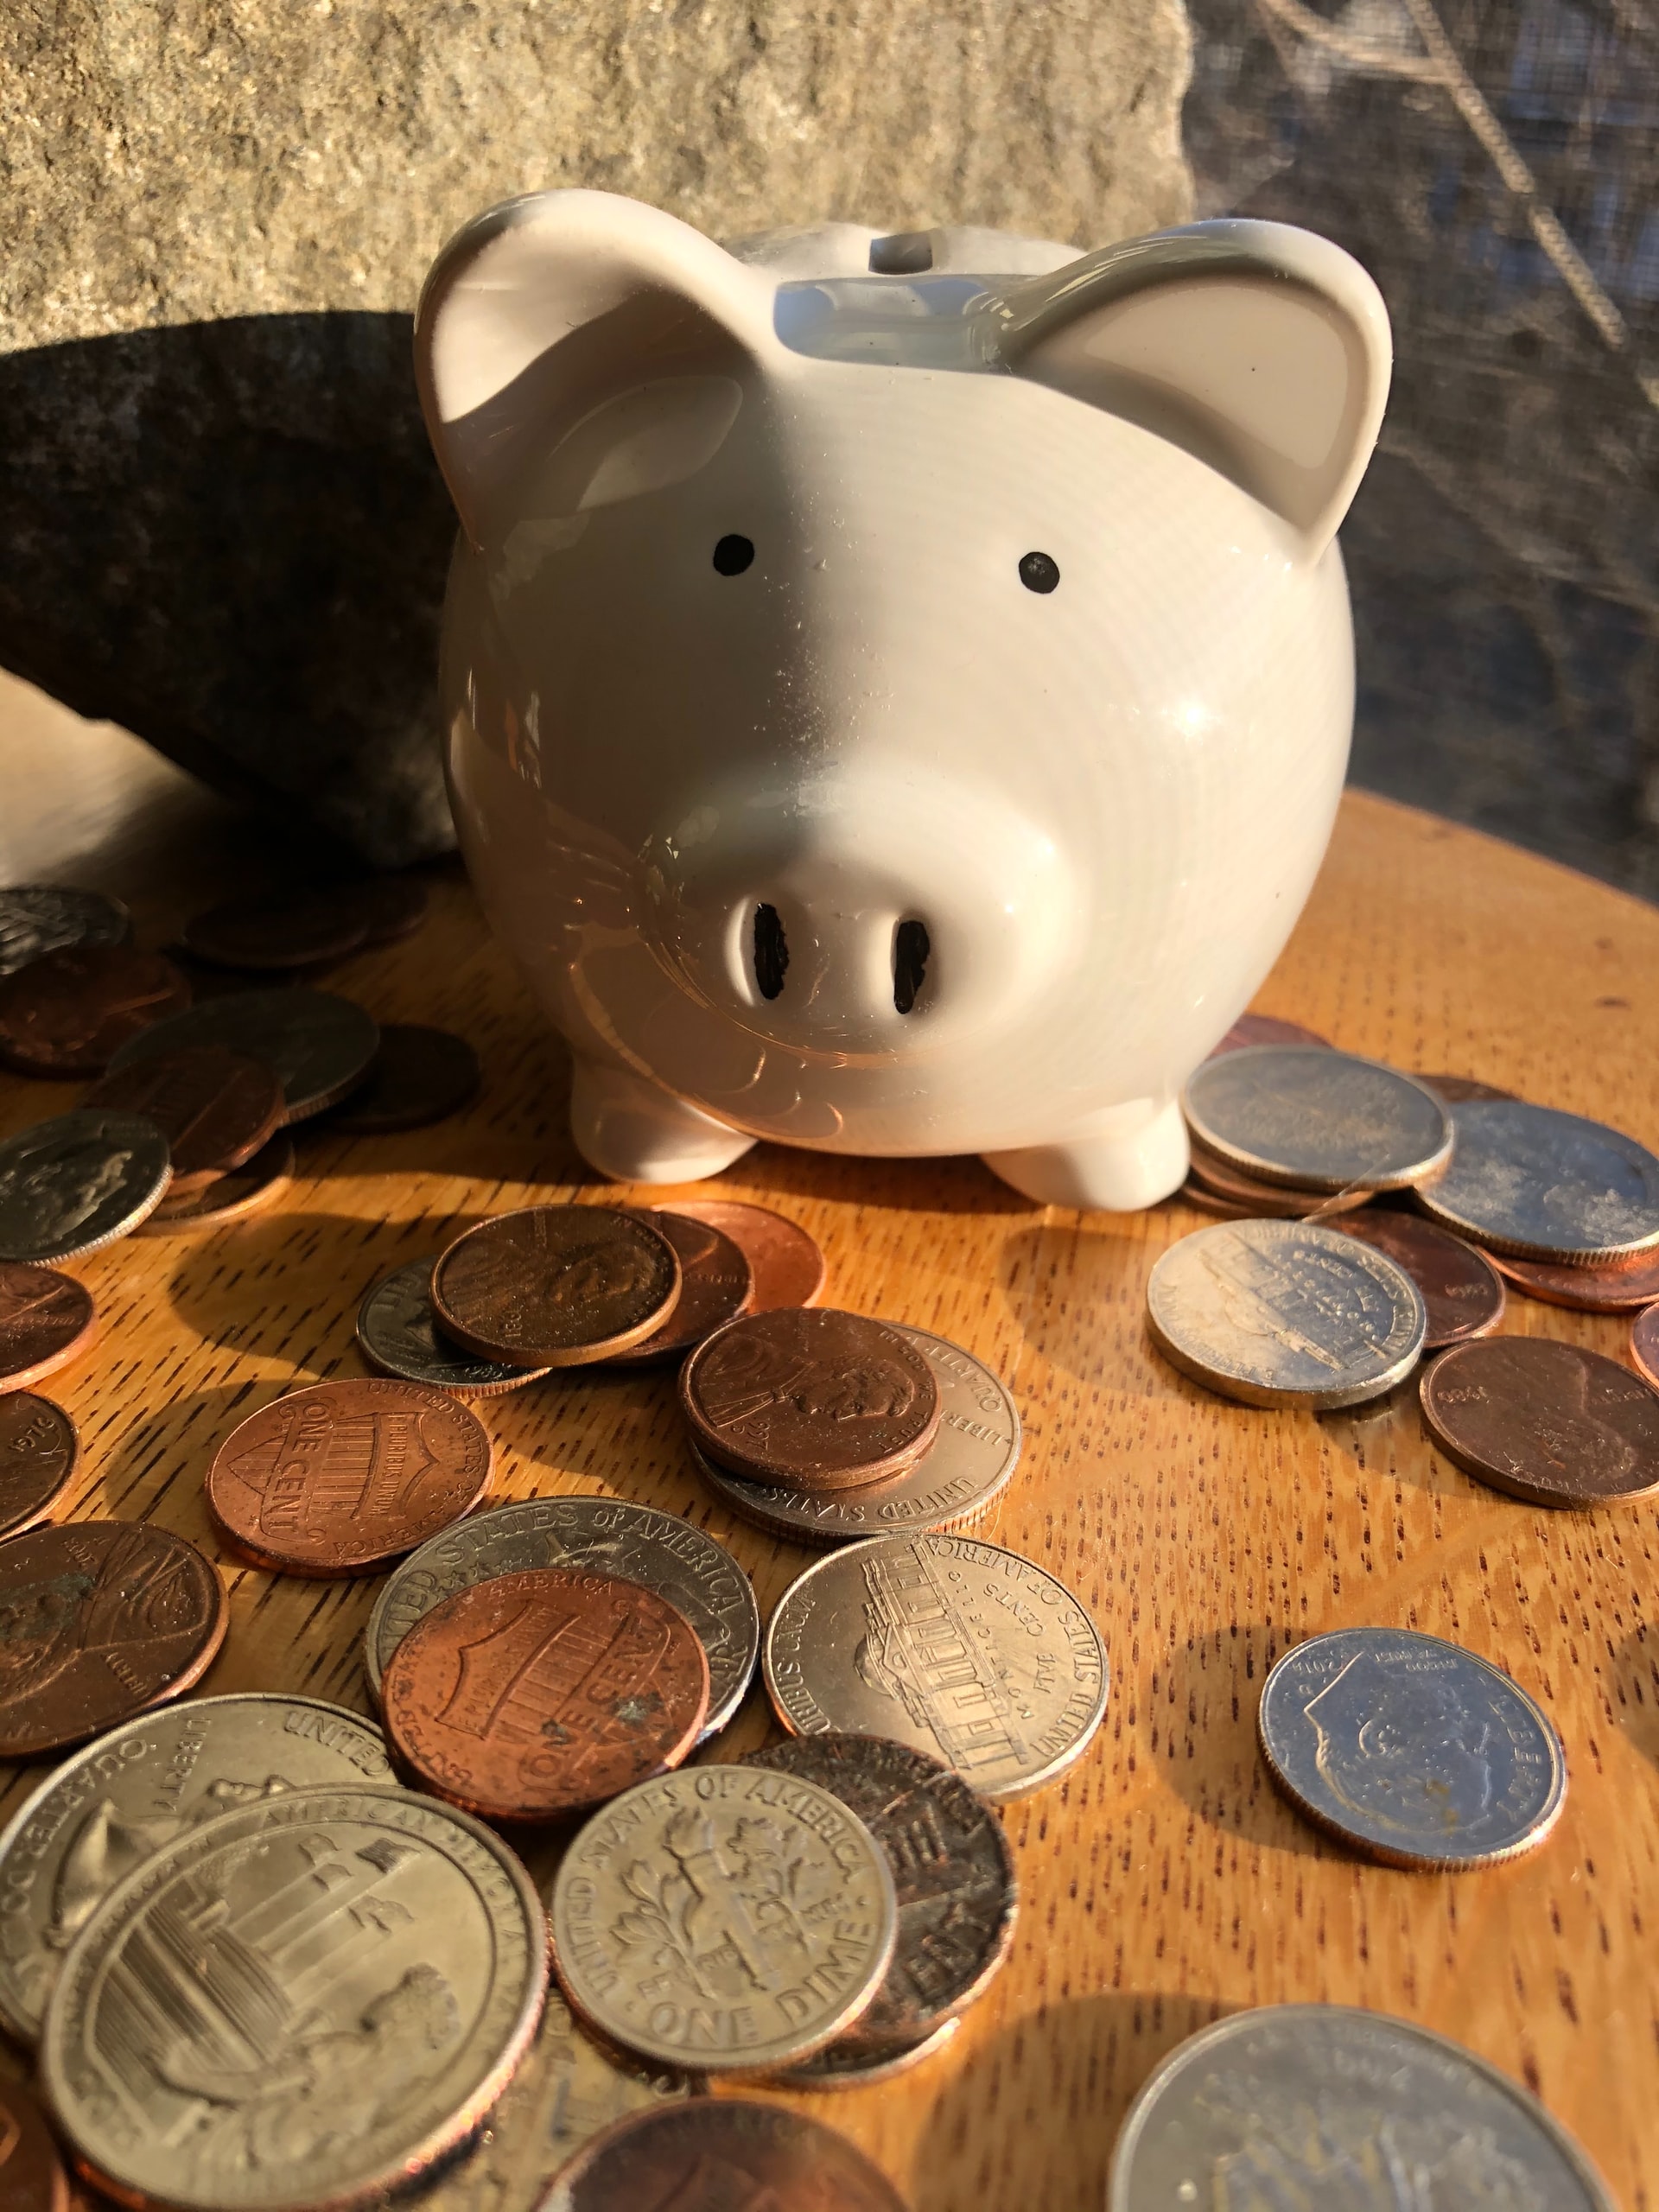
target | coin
[
  {"x": 32, "y": 2179},
  {"x": 849, "y": 2064},
  {"x": 601, "y": 1535},
  {"x": 539, "y": 1694},
  {"x": 1453, "y": 1090},
  {"x": 721, "y": 2154},
  {"x": 787, "y": 1263},
  {"x": 419, "y": 1075},
  {"x": 36, "y": 919},
  {"x": 1308, "y": 2095},
  {"x": 98, "y": 1620},
  {"x": 1258, "y": 1199},
  {"x": 45, "y": 1319},
  {"x": 336, "y": 1478},
  {"x": 229, "y": 1198},
  {"x": 71, "y": 1184},
  {"x": 215, "y": 1108},
  {"x": 556, "y": 1286},
  {"x": 398, "y": 1334},
  {"x": 1194, "y": 1194},
  {"x": 285, "y": 930},
  {"x": 970, "y": 1465},
  {"x": 723, "y": 1918},
  {"x": 37, "y": 1456},
  {"x": 1321, "y": 1119},
  {"x": 102, "y": 1812},
  {"x": 296, "y": 2005},
  {"x": 1546, "y": 1421},
  {"x": 1462, "y": 1292},
  {"x": 810, "y": 1398},
  {"x": 1266, "y": 1029},
  {"x": 717, "y": 1285},
  {"x": 969, "y": 1653},
  {"x": 391, "y": 906},
  {"x": 1546, "y": 1185},
  {"x": 1604, "y": 1287},
  {"x": 1285, "y": 1313},
  {"x": 68, "y": 1011},
  {"x": 1644, "y": 1346},
  {"x": 321, "y": 1047},
  {"x": 1415, "y": 1751}
]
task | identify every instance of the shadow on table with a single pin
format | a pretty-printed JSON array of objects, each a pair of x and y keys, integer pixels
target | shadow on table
[
  {"x": 1198, "y": 1723},
  {"x": 1079, "y": 1298},
  {"x": 154, "y": 1469}
]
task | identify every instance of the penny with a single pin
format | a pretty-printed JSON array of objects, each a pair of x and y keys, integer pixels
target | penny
[
  {"x": 101, "y": 1814},
  {"x": 556, "y": 1286},
  {"x": 1285, "y": 1313},
  {"x": 321, "y": 1047},
  {"x": 1255, "y": 1198},
  {"x": 245, "y": 1190},
  {"x": 73, "y": 1184},
  {"x": 1644, "y": 1346},
  {"x": 396, "y": 1333},
  {"x": 1322, "y": 1120},
  {"x": 99, "y": 1620},
  {"x": 215, "y": 1108},
  {"x": 1604, "y": 1286},
  {"x": 540, "y": 1694},
  {"x": 32, "y": 2179},
  {"x": 598, "y": 1535},
  {"x": 787, "y": 1263},
  {"x": 1194, "y": 1194},
  {"x": 1419, "y": 1752},
  {"x": 45, "y": 1318},
  {"x": 1266, "y": 1029},
  {"x": 306, "y": 2001},
  {"x": 963, "y": 1650},
  {"x": 390, "y": 906},
  {"x": 717, "y": 1285},
  {"x": 36, "y": 919},
  {"x": 68, "y": 1013},
  {"x": 1462, "y": 1292},
  {"x": 721, "y": 2154},
  {"x": 849, "y": 2064},
  {"x": 723, "y": 1918},
  {"x": 1456, "y": 1089},
  {"x": 810, "y": 1398},
  {"x": 37, "y": 1456},
  {"x": 952, "y": 1874},
  {"x": 336, "y": 1478},
  {"x": 1546, "y": 1185},
  {"x": 419, "y": 1075},
  {"x": 1546, "y": 1421},
  {"x": 287, "y": 930}
]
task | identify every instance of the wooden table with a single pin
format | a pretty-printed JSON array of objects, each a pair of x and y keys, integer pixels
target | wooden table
[{"x": 1164, "y": 1881}]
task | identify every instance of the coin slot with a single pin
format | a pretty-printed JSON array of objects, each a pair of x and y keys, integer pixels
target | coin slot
[
  {"x": 905, "y": 253},
  {"x": 911, "y": 947},
  {"x": 771, "y": 952}
]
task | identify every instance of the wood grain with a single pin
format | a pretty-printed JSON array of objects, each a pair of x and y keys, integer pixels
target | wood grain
[{"x": 1164, "y": 1881}]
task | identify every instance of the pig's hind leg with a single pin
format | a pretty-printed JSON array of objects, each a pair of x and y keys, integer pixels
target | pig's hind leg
[
  {"x": 639, "y": 1133},
  {"x": 1125, "y": 1159}
]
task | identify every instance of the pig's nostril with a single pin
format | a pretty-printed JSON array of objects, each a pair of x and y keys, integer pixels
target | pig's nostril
[
  {"x": 771, "y": 952},
  {"x": 910, "y": 951}
]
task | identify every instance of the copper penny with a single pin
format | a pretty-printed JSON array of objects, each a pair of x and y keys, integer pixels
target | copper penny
[
  {"x": 810, "y": 1398},
  {"x": 1644, "y": 1344},
  {"x": 1266, "y": 1029},
  {"x": 418, "y": 1076},
  {"x": 336, "y": 1478},
  {"x": 70, "y": 1012},
  {"x": 720, "y": 2154},
  {"x": 787, "y": 1263},
  {"x": 289, "y": 930},
  {"x": 99, "y": 1621},
  {"x": 1456, "y": 1089},
  {"x": 245, "y": 1190},
  {"x": 32, "y": 2177},
  {"x": 1277, "y": 1201},
  {"x": 717, "y": 1285},
  {"x": 1604, "y": 1286},
  {"x": 1546, "y": 1421},
  {"x": 1461, "y": 1288},
  {"x": 390, "y": 906},
  {"x": 536, "y": 1694},
  {"x": 214, "y": 1106},
  {"x": 45, "y": 1319},
  {"x": 38, "y": 1445},
  {"x": 556, "y": 1286},
  {"x": 320, "y": 1045}
]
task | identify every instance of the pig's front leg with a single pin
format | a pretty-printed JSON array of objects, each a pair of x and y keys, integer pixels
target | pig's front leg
[
  {"x": 1127, "y": 1158},
  {"x": 633, "y": 1130}
]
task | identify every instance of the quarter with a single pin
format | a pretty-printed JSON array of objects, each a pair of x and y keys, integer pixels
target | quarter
[
  {"x": 36, "y": 919},
  {"x": 73, "y": 1184},
  {"x": 1545, "y": 1421},
  {"x": 1546, "y": 1185},
  {"x": 68, "y": 1013},
  {"x": 787, "y": 1263},
  {"x": 418, "y": 1076},
  {"x": 726, "y": 2154},
  {"x": 396, "y": 1333},
  {"x": 717, "y": 1285},
  {"x": 1462, "y": 1292},
  {"x": 556, "y": 1286},
  {"x": 215, "y": 1108},
  {"x": 37, "y": 1456},
  {"x": 1321, "y": 1119},
  {"x": 45, "y": 1318},
  {"x": 321, "y": 1045}
]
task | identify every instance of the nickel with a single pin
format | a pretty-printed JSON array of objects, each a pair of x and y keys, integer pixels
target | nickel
[
  {"x": 36, "y": 919},
  {"x": 321, "y": 1047},
  {"x": 556, "y": 1286},
  {"x": 73, "y": 1184},
  {"x": 215, "y": 1108},
  {"x": 37, "y": 1456},
  {"x": 1323, "y": 1120},
  {"x": 1547, "y": 1186},
  {"x": 45, "y": 1318},
  {"x": 419, "y": 1075},
  {"x": 1462, "y": 1292},
  {"x": 721, "y": 2154},
  {"x": 69, "y": 1012},
  {"x": 396, "y": 1333},
  {"x": 1546, "y": 1421}
]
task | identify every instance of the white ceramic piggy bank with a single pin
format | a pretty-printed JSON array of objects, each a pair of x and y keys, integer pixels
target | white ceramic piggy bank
[{"x": 898, "y": 687}]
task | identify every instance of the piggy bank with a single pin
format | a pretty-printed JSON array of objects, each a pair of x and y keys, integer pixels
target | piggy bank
[{"x": 897, "y": 686}]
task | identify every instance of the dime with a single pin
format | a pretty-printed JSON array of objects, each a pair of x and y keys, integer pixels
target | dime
[
  {"x": 556, "y": 1286},
  {"x": 36, "y": 919},
  {"x": 717, "y": 1285},
  {"x": 77, "y": 1182},
  {"x": 298, "y": 2004},
  {"x": 540, "y": 1694},
  {"x": 848, "y": 2064},
  {"x": 419, "y": 1075},
  {"x": 600, "y": 1536},
  {"x": 1455, "y": 1089},
  {"x": 723, "y": 1918},
  {"x": 398, "y": 1334},
  {"x": 1285, "y": 1313},
  {"x": 1644, "y": 1346},
  {"x": 32, "y": 2179},
  {"x": 969, "y": 1653},
  {"x": 952, "y": 1872},
  {"x": 336, "y": 1478},
  {"x": 287, "y": 930},
  {"x": 1304, "y": 2093},
  {"x": 99, "y": 1620},
  {"x": 1414, "y": 1750},
  {"x": 721, "y": 2154},
  {"x": 229, "y": 1198},
  {"x": 1462, "y": 1292},
  {"x": 1546, "y": 1421},
  {"x": 1546, "y": 1185},
  {"x": 810, "y": 1399},
  {"x": 68, "y": 1011},
  {"x": 787, "y": 1265},
  {"x": 1254, "y": 1198},
  {"x": 215, "y": 1108},
  {"x": 321, "y": 1046},
  {"x": 138, "y": 1789},
  {"x": 1320, "y": 1119},
  {"x": 37, "y": 1456},
  {"x": 45, "y": 1319},
  {"x": 1266, "y": 1029},
  {"x": 1604, "y": 1286}
]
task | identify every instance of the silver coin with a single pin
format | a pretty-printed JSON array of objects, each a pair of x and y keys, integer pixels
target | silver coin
[
  {"x": 1322, "y": 1120},
  {"x": 1413, "y": 1748},
  {"x": 321, "y": 1046},
  {"x": 141, "y": 1786},
  {"x": 601, "y": 1535},
  {"x": 398, "y": 1335},
  {"x": 1546, "y": 1185},
  {"x": 1285, "y": 1313},
  {"x": 36, "y": 919},
  {"x": 77, "y": 1182},
  {"x": 847, "y": 2065},
  {"x": 1324, "y": 2104},
  {"x": 960, "y": 1649}
]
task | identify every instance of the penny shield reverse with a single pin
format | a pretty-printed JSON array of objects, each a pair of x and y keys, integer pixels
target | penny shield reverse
[
  {"x": 45, "y": 1319},
  {"x": 37, "y": 1456},
  {"x": 1547, "y": 1421},
  {"x": 721, "y": 2154}
]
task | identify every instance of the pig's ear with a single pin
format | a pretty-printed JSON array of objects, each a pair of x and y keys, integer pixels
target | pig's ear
[
  {"x": 544, "y": 308},
  {"x": 1263, "y": 350}
]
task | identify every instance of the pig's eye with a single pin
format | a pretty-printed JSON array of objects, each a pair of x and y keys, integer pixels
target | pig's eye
[
  {"x": 1038, "y": 571},
  {"x": 734, "y": 553}
]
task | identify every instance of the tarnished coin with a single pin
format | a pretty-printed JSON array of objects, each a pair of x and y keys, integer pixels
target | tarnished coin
[
  {"x": 970, "y": 1653},
  {"x": 32, "y": 2177},
  {"x": 419, "y": 1075},
  {"x": 1455, "y": 1089},
  {"x": 1462, "y": 1292},
  {"x": 1321, "y": 1119},
  {"x": 215, "y": 1108},
  {"x": 1546, "y": 1185},
  {"x": 721, "y": 2154},
  {"x": 244, "y": 1189},
  {"x": 1644, "y": 1346},
  {"x": 810, "y": 1399},
  {"x": 1285, "y": 1313},
  {"x": 724, "y": 1919},
  {"x": 37, "y": 1456},
  {"x": 321, "y": 1047},
  {"x": 338, "y": 1478},
  {"x": 73, "y": 1184},
  {"x": 540, "y": 1694},
  {"x": 1307, "y": 2096},
  {"x": 286, "y": 929},
  {"x": 1604, "y": 1287},
  {"x": 848, "y": 2063},
  {"x": 970, "y": 1465},
  {"x": 717, "y": 1285},
  {"x": 45, "y": 1319},
  {"x": 1254, "y": 1198},
  {"x": 102, "y": 1812},
  {"x": 598, "y": 1535},
  {"x": 787, "y": 1263},
  {"x": 36, "y": 919},
  {"x": 69, "y": 1012},
  {"x": 1411, "y": 1748},
  {"x": 1266, "y": 1029},
  {"x": 398, "y": 1334},
  {"x": 99, "y": 1620},
  {"x": 298, "y": 2004},
  {"x": 1546, "y": 1421},
  {"x": 392, "y": 906},
  {"x": 556, "y": 1286}
]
